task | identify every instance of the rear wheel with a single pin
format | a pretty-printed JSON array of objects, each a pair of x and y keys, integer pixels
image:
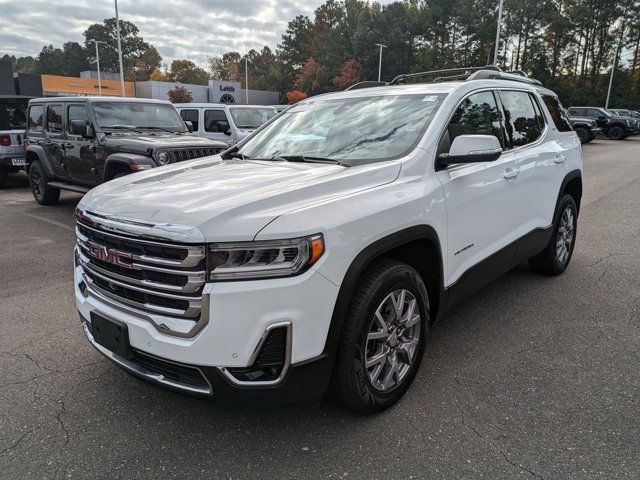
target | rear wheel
[
  {"x": 616, "y": 133},
  {"x": 383, "y": 337},
  {"x": 42, "y": 192},
  {"x": 555, "y": 258}
]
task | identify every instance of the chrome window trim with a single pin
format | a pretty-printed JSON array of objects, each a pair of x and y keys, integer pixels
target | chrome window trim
[{"x": 263, "y": 338}]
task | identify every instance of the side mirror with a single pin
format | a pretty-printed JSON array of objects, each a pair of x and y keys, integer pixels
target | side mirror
[
  {"x": 81, "y": 127},
  {"x": 602, "y": 117},
  {"x": 189, "y": 125},
  {"x": 472, "y": 149},
  {"x": 224, "y": 127}
]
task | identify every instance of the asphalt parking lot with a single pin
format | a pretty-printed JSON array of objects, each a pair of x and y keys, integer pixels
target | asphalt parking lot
[{"x": 532, "y": 377}]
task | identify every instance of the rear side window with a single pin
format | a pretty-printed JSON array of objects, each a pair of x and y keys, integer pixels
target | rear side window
[
  {"x": 559, "y": 115},
  {"x": 55, "y": 123},
  {"x": 76, "y": 112},
  {"x": 35, "y": 118},
  {"x": 522, "y": 119},
  {"x": 211, "y": 119},
  {"x": 190, "y": 116},
  {"x": 478, "y": 114}
]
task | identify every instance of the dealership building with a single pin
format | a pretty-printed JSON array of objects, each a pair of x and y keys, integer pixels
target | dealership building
[{"x": 109, "y": 85}]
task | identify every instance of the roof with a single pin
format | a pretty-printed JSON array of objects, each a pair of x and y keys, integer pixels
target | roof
[{"x": 97, "y": 99}]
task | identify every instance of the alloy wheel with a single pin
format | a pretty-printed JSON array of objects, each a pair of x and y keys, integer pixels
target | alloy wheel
[
  {"x": 37, "y": 184},
  {"x": 392, "y": 340},
  {"x": 565, "y": 236}
]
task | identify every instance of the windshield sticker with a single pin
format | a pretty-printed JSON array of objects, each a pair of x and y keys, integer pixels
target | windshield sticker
[{"x": 430, "y": 98}]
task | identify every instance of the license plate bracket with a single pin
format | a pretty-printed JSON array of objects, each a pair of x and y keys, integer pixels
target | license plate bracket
[{"x": 112, "y": 335}]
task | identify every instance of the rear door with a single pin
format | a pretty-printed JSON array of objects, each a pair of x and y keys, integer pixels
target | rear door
[
  {"x": 480, "y": 198},
  {"x": 54, "y": 138},
  {"x": 80, "y": 152}
]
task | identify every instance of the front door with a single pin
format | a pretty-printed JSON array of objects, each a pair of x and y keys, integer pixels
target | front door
[
  {"x": 80, "y": 151},
  {"x": 480, "y": 198},
  {"x": 54, "y": 139},
  {"x": 214, "y": 121}
]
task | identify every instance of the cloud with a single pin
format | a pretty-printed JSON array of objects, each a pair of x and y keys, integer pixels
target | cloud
[{"x": 192, "y": 29}]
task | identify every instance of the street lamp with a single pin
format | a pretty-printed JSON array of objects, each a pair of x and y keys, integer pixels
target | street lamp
[
  {"x": 380, "y": 60},
  {"x": 246, "y": 79},
  {"x": 495, "y": 53},
  {"x": 119, "y": 49},
  {"x": 96, "y": 42}
]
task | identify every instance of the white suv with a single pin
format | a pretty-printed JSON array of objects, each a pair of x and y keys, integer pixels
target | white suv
[{"x": 321, "y": 249}]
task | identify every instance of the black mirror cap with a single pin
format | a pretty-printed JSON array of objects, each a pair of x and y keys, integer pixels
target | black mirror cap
[
  {"x": 189, "y": 125},
  {"x": 224, "y": 127},
  {"x": 81, "y": 127},
  {"x": 444, "y": 159}
]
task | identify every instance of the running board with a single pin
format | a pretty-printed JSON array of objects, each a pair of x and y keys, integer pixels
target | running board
[{"x": 69, "y": 186}]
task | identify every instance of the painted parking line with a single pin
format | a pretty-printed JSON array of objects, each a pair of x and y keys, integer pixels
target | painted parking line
[{"x": 49, "y": 221}]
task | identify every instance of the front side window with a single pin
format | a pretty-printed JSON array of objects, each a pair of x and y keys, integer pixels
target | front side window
[
  {"x": 251, "y": 118},
  {"x": 477, "y": 114},
  {"x": 76, "y": 112},
  {"x": 522, "y": 122},
  {"x": 350, "y": 130},
  {"x": 137, "y": 115},
  {"x": 35, "y": 118},
  {"x": 190, "y": 116},
  {"x": 212, "y": 119},
  {"x": 558, "y": 113},
  {"x": 55, "y": 122}
]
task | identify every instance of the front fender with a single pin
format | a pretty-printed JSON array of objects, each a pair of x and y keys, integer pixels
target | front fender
[{"x": 132, "y": 161}]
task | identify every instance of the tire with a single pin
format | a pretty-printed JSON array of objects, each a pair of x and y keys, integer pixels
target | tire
[
  {"x": 399, "y": 349},
  {"x": 42, "y": 192},
  {"x": 616, "y": 133},
  {"x": 583, "y": 134},
  {"x": 555, "y": 258}
]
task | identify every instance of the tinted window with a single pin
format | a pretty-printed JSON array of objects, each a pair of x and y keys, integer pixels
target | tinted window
[
  {"x": 76, "y": 112},
  {"x": 558, "y": 113},
  {"x": 211, "y": 119},
  {"x": 35, "y": 118},
  {"x": 190, "y": 116},
  {"x": 478, "y": 114},
  {"x": 522, "y": 122},
  {"x": 13, "y": 115},
  {"x": 54, "y": 119}
]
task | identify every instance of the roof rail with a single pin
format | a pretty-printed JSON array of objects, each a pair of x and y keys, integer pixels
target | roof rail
[
  {"x": 444, "y": 75},
  {"x": 516, "y": 76},
  {"x": 366, "y": 84}
]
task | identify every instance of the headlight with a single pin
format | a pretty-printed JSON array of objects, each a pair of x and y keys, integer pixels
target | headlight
[
  {"x": 264, "y": 259},
  {"x": 163, "y": 157}
]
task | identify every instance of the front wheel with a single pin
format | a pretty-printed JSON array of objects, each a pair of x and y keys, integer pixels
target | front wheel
[
  {"x": 555, "y": 258},
  {"x": 383, "y": 337},
  {"x": 583, "y": 134}
]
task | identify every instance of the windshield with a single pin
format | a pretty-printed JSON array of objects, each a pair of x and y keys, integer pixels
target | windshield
[
  {"x": 350, "y": 130},
  {"x": 251, "y": 118},
  {"x": 137, "y": 115},
  {"x": 13, "y": 115}
]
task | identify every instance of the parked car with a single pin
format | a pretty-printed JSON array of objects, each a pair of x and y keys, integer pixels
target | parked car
[
  {"x": 222, "y": 122},
  {"x": 12, "y": 126},
  {"x": 285, "y": 265},
  {"x": 76, "y": 143},
  {"x": 613, "y": 126},
  {"x": 586, "y": 128},
  {"x": 625, "y": 113}
]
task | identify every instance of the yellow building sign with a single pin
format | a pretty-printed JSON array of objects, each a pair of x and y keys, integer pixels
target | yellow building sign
[{"x": 56, "y": 86}]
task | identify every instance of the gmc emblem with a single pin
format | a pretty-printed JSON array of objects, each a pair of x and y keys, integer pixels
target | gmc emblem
[{"x": 109, "y": 255}]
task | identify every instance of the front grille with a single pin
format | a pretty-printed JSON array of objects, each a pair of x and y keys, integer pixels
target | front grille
[
  {"x": 180, "y": 155},
  {"x": 156, "y": 278}
]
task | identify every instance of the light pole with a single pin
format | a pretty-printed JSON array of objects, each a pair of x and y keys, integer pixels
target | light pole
[
  {"x": 96, "y": 42},
  {"x": 246, "y": 79},
  {"x": 119, "y": 49},
  {"x": 380, "y": 60},
  {"x": 495, "y": 53},
  {"x": 613, "y": 67}
]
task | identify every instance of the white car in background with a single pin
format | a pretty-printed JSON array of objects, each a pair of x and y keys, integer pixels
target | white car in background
[
  {"x": 226, "y": 123},
  {"x": 13, "y": 123}
]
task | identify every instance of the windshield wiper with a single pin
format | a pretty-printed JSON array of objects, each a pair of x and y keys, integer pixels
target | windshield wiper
[
  {"x": 239, "y": 155},
  {"x": 307, "y": 159},
  {"x": 160, "y": 128},
  {"x": 123, "y": 127}
]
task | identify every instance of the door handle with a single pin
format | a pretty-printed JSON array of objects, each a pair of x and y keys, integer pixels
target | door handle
[
  {"x": 559, "y": 158},
  {"x": 511, "y": 173}
]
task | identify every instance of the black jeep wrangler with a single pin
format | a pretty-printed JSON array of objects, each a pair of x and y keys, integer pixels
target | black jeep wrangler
[{"x": 76, "y": 143}]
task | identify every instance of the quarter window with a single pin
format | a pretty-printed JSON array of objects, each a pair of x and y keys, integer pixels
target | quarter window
[
  {"x": 522, "y": 120},
  {"x": 558, "y": 113},
  {"x": 478, "y": 114},
  {"x": 76, "y": 112},
  {"x": 35, "y": 118},
  {"x": 212, "y": 119},
  {"x": 190, "y": 116},
  {"x": 55, "y": 123}
]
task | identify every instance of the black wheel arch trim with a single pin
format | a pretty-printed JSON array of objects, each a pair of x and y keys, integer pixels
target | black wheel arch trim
[
  {"x": 116, "y": 160},
  {"x": 572, "y": 175},
  {"x": 41, "y": 155}
]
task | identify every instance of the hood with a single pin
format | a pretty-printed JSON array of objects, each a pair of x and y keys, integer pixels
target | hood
[
  {"x": 144, "y": 142},
  {"x": 229, "y": 200}
]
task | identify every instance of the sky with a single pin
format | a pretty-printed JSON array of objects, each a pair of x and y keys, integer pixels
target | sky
[{"x": 191, "y": 29}]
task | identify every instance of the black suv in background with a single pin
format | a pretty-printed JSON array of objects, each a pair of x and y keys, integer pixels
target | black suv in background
[
  {"x": 76, "y": 143},
  {"x": 613, "y": 126}
]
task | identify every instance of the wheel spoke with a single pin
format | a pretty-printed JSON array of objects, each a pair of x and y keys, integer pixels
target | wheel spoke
[
  {"x": 380, "y": 358},
  {"x": 398, "y": 303},
  {"x": 392, "y": 371}
]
